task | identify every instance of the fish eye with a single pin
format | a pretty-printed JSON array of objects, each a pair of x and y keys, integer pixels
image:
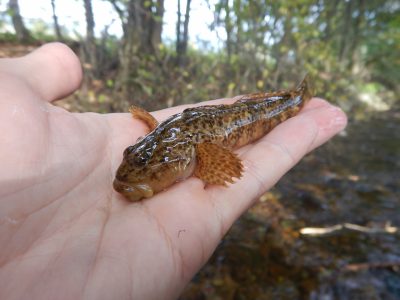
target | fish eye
[
  {"x": 128, "y": 150},
  {"x": 140, "y": 160}
]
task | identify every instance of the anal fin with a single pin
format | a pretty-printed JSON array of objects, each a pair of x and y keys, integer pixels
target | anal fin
[{"x": 216, "y": 164}]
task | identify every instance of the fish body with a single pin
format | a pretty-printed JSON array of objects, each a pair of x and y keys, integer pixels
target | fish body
[{"x": 200, "y": 141}]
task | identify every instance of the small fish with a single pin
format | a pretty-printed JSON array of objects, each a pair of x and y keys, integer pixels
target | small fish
[{"x": 199, "y": 141}]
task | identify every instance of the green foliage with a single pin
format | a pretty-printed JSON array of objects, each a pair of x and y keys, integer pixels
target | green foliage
[
  {"x": 41, "y": 31},
  {"x": 8, "y": 37},
  {"x": 110, "y": 83},
  {"x": 348, "y": 48}
]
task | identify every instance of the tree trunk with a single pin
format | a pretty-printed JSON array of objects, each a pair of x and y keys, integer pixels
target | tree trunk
[
  {"x": 357, "y": 21},
  {"x": 186, "y": 27},
  {"x": 55, "y": 20},
  {"x": 156, "y": 26},
  {"x": 22, "y": 33},
  {"x": 282, "y": 49},
  {"x": 178, "y": 29},
  {"x": 182, "y": 35},
  {"x": 142, "y": 27},
  {"x": 129, "y": 50},
  {"x": 239, "y": 29},
  {"x": 90, "y": 43},
  {"x": 329, "y": 8},
  {"x": 228, "y": 29},
  {"x": 345, "y": 35},
  {"x": 149, "y": 18}
]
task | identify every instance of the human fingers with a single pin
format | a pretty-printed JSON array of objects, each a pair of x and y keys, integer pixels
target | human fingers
[
  {"x": 52, "y": 71},
  {"x": 267, "y": 160}
]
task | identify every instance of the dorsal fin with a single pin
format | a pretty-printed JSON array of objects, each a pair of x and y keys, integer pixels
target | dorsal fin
[{"x": 145, "y": 116}]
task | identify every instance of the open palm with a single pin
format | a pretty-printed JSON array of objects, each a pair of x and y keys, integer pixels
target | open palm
[{"x": 64, "y": 232}]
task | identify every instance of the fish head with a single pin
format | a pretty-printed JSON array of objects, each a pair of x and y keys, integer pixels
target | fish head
[{"x": 149, "y": 167}]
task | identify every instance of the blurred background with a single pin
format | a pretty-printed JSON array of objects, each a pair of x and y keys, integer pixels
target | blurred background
[{"x": 330, "y": 229}]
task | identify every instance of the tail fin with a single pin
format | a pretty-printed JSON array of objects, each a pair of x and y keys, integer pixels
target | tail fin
[{"x": 304, "y": 89}]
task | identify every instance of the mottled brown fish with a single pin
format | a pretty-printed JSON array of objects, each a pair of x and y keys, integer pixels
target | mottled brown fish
[{"x": 200, "y": 141}]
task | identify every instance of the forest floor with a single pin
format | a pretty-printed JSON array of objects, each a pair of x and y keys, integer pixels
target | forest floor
[{"x": 330, "y": 229}]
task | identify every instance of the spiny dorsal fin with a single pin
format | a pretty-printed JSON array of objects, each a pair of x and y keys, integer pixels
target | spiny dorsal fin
[{"x": 145, "y": 116}]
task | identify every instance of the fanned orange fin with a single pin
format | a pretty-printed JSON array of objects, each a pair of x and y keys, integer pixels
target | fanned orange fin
[
  {"x": 217, "y": 165},
  {"x": 143, "y": 115}
]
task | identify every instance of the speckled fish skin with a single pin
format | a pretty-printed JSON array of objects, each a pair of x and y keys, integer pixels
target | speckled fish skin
[{"x": 168, "y": 153}]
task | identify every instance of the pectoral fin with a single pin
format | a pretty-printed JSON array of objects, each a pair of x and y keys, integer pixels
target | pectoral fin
[
  {"x": 143, "y": 115},
  {"x": 216, "y": 164}
]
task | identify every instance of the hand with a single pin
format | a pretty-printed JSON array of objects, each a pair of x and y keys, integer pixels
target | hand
[{"x": 64, "y": 232}]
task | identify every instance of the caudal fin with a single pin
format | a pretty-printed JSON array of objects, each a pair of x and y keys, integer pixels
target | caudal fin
[{"x": 304, "y": 89}]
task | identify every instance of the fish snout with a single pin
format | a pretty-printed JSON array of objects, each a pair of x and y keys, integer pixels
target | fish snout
[{"x": 133, "y": 191}]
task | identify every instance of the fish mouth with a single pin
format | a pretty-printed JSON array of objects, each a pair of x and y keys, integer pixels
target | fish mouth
[{"x": 133, "y": 191}]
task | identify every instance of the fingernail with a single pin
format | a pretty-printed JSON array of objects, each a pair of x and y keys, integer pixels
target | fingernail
[
  {"x": 339, "y": 119},
  {"x": 340, "y": 116}
]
